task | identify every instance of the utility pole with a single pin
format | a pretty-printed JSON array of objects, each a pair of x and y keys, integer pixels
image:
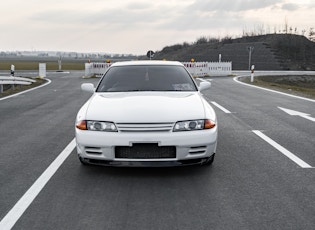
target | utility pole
[{"x": 250, "y": 50}]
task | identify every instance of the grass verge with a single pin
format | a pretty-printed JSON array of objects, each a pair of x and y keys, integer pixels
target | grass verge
[{"x": 302, "y": 85}]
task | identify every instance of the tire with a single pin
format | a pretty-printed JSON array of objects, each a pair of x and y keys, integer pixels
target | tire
[
  {"x": 209, "y": 161},
  {"x": 83, "y": 161}
]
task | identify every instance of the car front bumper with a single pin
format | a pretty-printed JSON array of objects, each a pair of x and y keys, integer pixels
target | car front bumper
[{"x": 191, "y": 147}]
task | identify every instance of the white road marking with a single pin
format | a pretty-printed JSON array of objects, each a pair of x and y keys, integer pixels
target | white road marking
[
  {"x": 283, "y": 150},
  {"x": 220, "y": 107},
  {"x": 19, "y": 208},
  {"x": 297, "y": 113},
  {"x": 270, "y": 90},
  {"x": 25, "y": 91}
]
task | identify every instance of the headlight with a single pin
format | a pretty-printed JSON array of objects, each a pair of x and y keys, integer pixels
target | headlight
[
  {"x": 103, "y": 126},
  {"x": 193, "y": 125}
]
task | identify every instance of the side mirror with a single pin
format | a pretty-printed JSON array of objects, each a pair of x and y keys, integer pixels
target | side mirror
[
  {"x": 204, "y": 85},
  {"x": 88, "y": 87}
]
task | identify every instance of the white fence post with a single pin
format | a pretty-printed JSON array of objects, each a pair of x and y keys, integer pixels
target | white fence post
[
  {"x": 88, "y": 70},
  {"x": 42, "y": 70},
  {"x": 12, "y": 70},
  {"x": 252, "y": 73}
]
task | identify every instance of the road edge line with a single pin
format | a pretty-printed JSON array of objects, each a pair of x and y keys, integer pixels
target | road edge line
[
  {"x": 25, "y": 201},
  {"x": 26, "y": 91},
  {"x": 270, "y": 90}
]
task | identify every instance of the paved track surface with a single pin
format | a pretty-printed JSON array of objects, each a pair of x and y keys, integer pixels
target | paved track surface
[{"x": 251, "y": 184}]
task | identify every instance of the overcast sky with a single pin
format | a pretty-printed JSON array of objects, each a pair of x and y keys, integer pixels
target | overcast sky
[{"x": 136, "y": 26}]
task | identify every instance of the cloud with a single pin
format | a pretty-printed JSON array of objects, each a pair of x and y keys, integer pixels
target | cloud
[
  {"x": 290, "y": 7},
  {"x": 138, "y": 14},
  {"x": 232, "y": 6},
  {"x": 199, "y": 14},
  {"x": 211, "y": 15},
  {"x": 139, "y": 6},
  {"x": 133, "y": 25}
]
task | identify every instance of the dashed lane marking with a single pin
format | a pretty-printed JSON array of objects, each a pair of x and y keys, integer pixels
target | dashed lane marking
[
  {"x": 220, "y": 107},
  {"x": 283, "y": 150}
]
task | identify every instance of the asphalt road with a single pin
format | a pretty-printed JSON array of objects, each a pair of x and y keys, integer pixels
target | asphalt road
[{"x": 253, "y": 183}]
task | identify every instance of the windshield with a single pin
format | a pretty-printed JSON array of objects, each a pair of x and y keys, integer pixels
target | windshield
[{"x": 146, "y": 78}]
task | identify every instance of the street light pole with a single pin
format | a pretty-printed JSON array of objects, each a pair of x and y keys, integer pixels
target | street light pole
[{"x": 250, "y": 50}]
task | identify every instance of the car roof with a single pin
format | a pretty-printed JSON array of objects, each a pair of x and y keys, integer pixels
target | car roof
[{"x": 147, "y": 62}]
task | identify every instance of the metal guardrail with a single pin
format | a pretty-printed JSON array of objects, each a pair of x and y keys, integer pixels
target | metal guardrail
[{"x": 8, "y": 80}]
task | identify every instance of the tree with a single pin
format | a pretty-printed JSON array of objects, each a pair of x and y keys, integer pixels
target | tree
[
  {"x": 286, "y": 25},
  {"x": 311, "y": 34},
  {"x": 201, "y": 40}
]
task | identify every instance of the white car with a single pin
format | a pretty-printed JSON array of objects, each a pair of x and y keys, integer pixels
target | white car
[{"x": 146, "y": 113}]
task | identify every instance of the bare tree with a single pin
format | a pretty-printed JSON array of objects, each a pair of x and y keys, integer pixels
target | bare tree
[
  {"x": 303, "y": 32},
  {"x": 311, "y": 34},
  {"x": 291, "y": 29},
  {"x": 286, "y": 25}
]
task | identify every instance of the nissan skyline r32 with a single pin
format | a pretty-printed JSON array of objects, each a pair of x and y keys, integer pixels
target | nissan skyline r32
[{"x": 146, "y": 114}]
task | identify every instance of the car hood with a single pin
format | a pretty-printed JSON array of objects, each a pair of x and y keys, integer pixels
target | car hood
[{"x": 145, "y": 107}]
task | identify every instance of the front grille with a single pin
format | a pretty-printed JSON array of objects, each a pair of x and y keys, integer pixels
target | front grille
[
  {"x": 145, "y": 151},
  {"x": 145, "y": 127}
]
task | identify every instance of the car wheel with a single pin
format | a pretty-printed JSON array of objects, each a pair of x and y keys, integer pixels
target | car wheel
[
  {"x": 83, "y": 161},
  {"x": 209, "y": 161}
]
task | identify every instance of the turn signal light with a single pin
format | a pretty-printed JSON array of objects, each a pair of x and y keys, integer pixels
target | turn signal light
[
  {"x": 209, "y": 124},
  {"x": 81, "y": 125}
]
